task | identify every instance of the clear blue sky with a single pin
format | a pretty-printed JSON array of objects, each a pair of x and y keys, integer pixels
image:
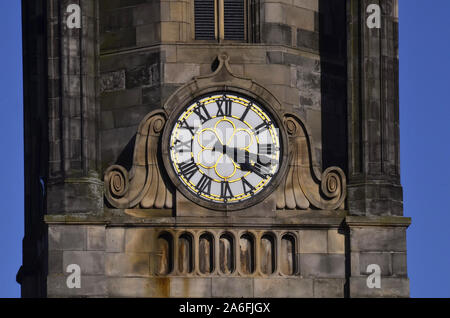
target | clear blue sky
[{"x": 425, "y": 145}]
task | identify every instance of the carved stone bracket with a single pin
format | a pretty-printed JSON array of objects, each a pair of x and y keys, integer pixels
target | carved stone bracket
[
  {"x": 142, "y": 187},
  {"x": 305, "y": 187}
]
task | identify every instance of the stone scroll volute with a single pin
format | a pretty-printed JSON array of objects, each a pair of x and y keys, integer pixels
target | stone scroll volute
[
  {"x": 305, "y": 187},
  {"x": 143, "y": 186}
]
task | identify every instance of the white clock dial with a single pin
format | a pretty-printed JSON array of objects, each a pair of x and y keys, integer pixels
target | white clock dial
[{"x": 225, "y": 148}]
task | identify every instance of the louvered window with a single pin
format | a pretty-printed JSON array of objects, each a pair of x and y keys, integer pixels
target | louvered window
[
  {"x": 234, "y": 20},
  {"x": 205, "y": 18},
  {"x": 220, "y": 19}
]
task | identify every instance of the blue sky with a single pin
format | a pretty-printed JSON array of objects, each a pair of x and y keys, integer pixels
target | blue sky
[{"x": 425, "y": 144}]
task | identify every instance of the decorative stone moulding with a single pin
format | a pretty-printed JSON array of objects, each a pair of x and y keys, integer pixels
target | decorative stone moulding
[
  {"x": 150, "y": 184},
  {"x": 229, "y": 253}
]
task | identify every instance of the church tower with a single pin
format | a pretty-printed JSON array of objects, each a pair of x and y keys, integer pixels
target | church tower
[{"x": 212, "y": 148}]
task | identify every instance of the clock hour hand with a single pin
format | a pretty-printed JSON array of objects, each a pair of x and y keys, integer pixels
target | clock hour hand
[{"x": 244, "y": 159}]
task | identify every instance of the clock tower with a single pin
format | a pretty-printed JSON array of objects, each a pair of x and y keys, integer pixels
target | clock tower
[{"x": 212, "y": 148}]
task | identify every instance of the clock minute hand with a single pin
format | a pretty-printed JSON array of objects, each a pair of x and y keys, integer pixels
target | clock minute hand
[{"x": 241, "y": 156}]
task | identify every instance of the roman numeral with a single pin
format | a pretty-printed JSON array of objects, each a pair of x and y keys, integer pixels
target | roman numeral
[
  {"x": 202, "y": 112},
  {"x": 188, "y": 169},
  {"x": 261, "y": 170},
  {"x": 225, "y": 190},
  {"x": 247, "y": 109},
  {"x": 248, "y": 187},
  {"x": 259, "y": 129},
  {"x": 224, "y": 107},
  {"x": 266, "y": 149},
  {"x": 204, "y": 185},
  {"x": 184, "y": 124},
  {"x": 183, "y": 146}
]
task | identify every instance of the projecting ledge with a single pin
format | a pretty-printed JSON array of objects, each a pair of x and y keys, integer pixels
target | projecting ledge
[{"x": 391, "y": 221}]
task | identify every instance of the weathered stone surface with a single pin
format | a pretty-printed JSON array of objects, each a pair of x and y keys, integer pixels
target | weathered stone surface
[
  {"x": 90, "y": 262},
  {"x": 113, "y": 81},
  {"x": 91, "y": 286},
  {"x": 329, "y": 288},
  {"x": 373, "y": 239},
  {"x": 115, "y": 240},
  {"x": 138, "y": 287},
  {"x": 181, "y": 287},
  {"x": 313, "y": 241},
  {"x": 232, "y": 287},
  {"x": 283, "y": 287},
  {"x": 384, "y": 260},
  {"x": 399, "y": 264},
  {"x": 129, "y": 264},
  {"x": 96, "y": 238},
  {"x": 71, "y": 238},
  {"x": 336, "y": 242},
  {"x": 390, "y": 288},
  {"x": 140, "y": 240},
  {"x": 322, "y": 265}
]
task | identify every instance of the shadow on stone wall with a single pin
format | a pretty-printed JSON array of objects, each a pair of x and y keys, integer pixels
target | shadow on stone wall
[{"x": 333, "y": 51}]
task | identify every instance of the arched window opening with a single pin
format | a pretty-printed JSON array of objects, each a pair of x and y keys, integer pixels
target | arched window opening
[
  {"x": 267, "y": 254},
  {"x": 185, "y": 259},
  {"x": 247, "y": 254},
  {"x": 165, "y": 254},
  {"x": 288, "y": 266},
  {"x": 206, "y": 253},
  {"x": 226, "y": 254}
]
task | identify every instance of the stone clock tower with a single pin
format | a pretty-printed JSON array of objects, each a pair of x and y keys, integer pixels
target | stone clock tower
[{"x": 212, "y": 148}]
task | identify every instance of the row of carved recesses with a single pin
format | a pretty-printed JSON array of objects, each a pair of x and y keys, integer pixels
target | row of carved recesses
[{"x": 227, "y": 253}]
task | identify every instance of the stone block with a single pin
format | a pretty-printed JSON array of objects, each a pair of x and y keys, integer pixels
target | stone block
[
  {"x": 90, "y": 262},
  {"x": 129, "y": 264},
  {"x": 322, "y": 265},
  {"x": 90, "y": 286},
  {"x": 274, "y": 13},
  {"x": 232, "y": 287},
  {"x": 170, "y": 31},
  {"x": 129, "y": 97},
  {"x": 66, "y": 237},
  {"x": 300, "y": 18},
  {"x": 274, "y": 33},
  {"x": 269, "y": 74},
  {"x": 308, "y": 39},
  {"x": 329, "y": 288},
  {"x": 390, "y": 287},
  {"x": 125, "y": 37},
  {"x": 283, "y": 288},
  {"x": 381, "y": 259},
  {"x": 374, "y": 239},
  {"x": 187, "y": 287},
  {"x": 313, "y": 241},
  {"x": 112, "y": 81},
  {"x": 140, "y": 240},
  {"x": 336, "y": 242},
  {"x": 399, "y": 264},
  {"x": 148, "y": 34},
  {"x": 96, "y": 238},
  {"x": 115, "y": 240},
  {"x": 55, "y": 262},
  {"x": 138, "y": 287},
  {"x": 180, "y": 73}
]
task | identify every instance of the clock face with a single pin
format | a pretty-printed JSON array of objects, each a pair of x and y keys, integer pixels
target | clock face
[{"x": 224, "y": 148}]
